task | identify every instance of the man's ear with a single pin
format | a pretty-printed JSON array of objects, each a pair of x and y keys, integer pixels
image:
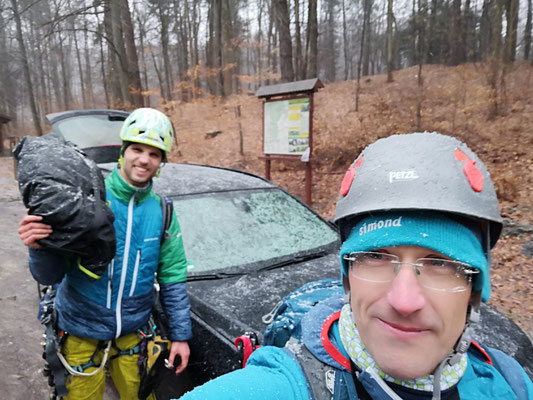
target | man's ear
[
  {"x": 346, "y": 286},
  {"x": 472, "y": 314}
]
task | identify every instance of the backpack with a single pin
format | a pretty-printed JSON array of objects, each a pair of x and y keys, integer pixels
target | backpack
[
  {"x": 60, "y": 183},
  {"x": 284, "y": 320}
]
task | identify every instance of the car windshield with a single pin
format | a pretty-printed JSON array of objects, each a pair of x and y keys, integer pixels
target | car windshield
[
  {"x": 90, "y": 130},
  {"x": 230, "y": 229}
]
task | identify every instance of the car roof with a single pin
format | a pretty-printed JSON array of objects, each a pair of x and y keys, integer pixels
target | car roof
[
  {"x": 187, "y": 179},
  {"x": 55, "y": 117}
]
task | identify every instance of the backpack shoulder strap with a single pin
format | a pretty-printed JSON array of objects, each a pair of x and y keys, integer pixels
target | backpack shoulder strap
[
  {"x": 320, "y": 377},
  {"x": 323, "y": 381},
  {"x": 167, "y": 207},
  {"x": 508, "y": 367},
  {"x": 511, "y": 371}
]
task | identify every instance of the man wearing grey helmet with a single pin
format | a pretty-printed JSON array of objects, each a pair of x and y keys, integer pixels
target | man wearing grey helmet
[{"x": 418, "y": 215}]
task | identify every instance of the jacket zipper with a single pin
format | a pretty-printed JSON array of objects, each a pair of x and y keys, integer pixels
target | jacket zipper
[
  {"x": 135, "y": 271},
  {"x": 110, "y": 282},
  {"x": 124, "y": 266}
]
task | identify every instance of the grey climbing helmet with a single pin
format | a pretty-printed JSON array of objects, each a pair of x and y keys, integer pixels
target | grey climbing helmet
[{"x": 419, "y": 171}]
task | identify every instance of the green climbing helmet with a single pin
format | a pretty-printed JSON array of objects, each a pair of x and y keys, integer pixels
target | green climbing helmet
[{"x": 148, "y": 126}]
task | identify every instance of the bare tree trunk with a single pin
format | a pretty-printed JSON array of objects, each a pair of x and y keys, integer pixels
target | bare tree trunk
[
  {"x": 195, "y": 57},
  {"x": 259, "y": 47},
  {"x": 33, "y": 60},
  {"x": 167, "y": 67},
  {"x": 390, "y": 18},
  {"x": 78, "y": 58},
  {"x": 527, "y": 32},
  {"x": 468, "y": 32},
  {"x": 329, "y": 53},
  {"x": 456, "y": 34},
  {"x": 227, "y": 34},
  {"x": 144, "y": 70},
  {"x": 26, "y": 69},
  {"x": 419, "y": 97},
  {"x": 367, "y": 4},
  {"x": 485, "y": 31},
  {"x": 210, "y": 49},
  {"x": 298, "y": 62},
  {"x": 183, "y": 27},
  {"x": 312, "y": 40},
  {"x": 54, "y": 73},
  {"x": 158, "y": 73},
  {"x": 270, "y": 39},
  {"x": 4, "y": 71},
  {"x": 285, "y": 42},
  {"x": 88, "y": 69},
  {"x": 511, "y": 12},
  {"x": 7, "y": 90},
  {"x": 67, "y": 97},
  {"x": 218, "y": 47},
  {"x": 42, "y": 77},
  {"x": 421, "y": 51},
  {"x": 347, "y": 59},
  {"x": 112, "y": 58},
  {"x": 132, "y": 61},
  {"x": 433, "y": 35},
  {"x": 102, "y": 61},
  {"x": 360, "y": 61},
  {"x": 119, "y": 49},
  {"x": 496, "y": 61}
]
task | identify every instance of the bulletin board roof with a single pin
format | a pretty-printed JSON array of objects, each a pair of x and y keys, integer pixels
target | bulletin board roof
[{"x": 280, "y": 89}]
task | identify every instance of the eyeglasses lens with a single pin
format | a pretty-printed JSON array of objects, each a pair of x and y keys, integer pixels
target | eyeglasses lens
[{"x": 436, "y": 274}]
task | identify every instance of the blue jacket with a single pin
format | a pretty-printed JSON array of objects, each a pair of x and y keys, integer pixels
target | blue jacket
[
  {"x": 120, "y": 301},
  {"x": 274, "y": 373}
]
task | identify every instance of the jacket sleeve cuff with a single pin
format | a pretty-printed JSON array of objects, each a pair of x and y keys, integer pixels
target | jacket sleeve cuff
[
  {"x": 46, "y": 267},
  {"x": 177, "y": 309}
]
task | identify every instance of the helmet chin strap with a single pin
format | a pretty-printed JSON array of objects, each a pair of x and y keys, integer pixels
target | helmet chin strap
[{"x": 462, "y": 345}]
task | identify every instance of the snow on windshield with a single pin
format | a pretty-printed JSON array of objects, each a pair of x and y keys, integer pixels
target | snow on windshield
[{"x": 229, "y": 229}]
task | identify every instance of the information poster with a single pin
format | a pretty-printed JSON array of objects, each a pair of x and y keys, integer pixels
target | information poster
[{"x": 286, "y": 127}]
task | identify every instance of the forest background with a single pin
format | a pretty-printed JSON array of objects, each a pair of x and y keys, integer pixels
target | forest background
[{"x": 460, "y": 67}]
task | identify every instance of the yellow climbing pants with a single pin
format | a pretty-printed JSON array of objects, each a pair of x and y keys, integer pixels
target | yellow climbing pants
[{"x": 123, "y": 369}]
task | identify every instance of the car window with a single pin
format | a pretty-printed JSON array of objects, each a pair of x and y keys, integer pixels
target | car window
[
  {"x": 229, "y": 229},
  {"x": 90, "y": 130}
]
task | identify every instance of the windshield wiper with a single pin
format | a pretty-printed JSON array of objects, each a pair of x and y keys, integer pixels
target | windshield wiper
[
  {"x": 293, "y": 260},
  {"x": 218, "y": 275}
]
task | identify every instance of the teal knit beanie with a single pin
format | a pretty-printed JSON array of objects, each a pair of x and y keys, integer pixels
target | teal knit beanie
[{"x": 427, "y": 229}]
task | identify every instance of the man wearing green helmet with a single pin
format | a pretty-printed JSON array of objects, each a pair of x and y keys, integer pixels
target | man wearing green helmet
[
  {"x": 418, "y": 216},
  {"x": 104, "y": 319}
]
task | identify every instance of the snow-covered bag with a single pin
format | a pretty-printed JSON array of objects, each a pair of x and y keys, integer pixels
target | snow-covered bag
[{"x": 60, "y": 183}]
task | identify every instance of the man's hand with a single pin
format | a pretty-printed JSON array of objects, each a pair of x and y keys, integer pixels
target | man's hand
[
  {"x": 31, "y": 230},
  {"x": 182, "y": 350}
]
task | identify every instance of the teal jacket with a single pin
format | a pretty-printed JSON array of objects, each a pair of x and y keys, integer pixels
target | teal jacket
[
  {"x": 275, "y": 373},
  {"x": 120, "y": 301}
]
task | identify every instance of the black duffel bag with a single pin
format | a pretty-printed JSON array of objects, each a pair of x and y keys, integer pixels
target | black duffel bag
[{"x": 60, "y": 183}]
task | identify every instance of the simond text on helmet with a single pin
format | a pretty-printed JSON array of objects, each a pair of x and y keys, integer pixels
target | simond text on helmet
[{"x": 379, "y": 225}]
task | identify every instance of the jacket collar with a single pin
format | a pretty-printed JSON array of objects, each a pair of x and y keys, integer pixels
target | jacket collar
[{"x": 123, "y": 191}]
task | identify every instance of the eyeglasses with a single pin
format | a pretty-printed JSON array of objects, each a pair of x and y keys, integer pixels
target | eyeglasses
[{"x": 432, "y": 273}]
